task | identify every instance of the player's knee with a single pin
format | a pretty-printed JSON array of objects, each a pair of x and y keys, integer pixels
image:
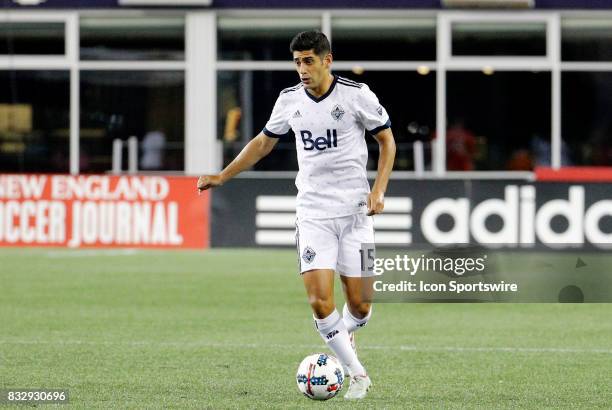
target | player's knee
[
  {"x": 360, "y": 310},
  {"x": 322, "y": 307}
]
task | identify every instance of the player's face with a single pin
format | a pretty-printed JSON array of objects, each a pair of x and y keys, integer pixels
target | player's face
[{"x": 311, "y": 68}]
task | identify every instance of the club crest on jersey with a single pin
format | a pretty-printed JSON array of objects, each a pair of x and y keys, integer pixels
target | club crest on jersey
[
  {"x": 337, "y": 113},
  {"x": 308, "y": 255}
]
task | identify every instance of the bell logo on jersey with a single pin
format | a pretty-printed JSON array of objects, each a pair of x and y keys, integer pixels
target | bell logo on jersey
[{"x": 319, "y": 143}]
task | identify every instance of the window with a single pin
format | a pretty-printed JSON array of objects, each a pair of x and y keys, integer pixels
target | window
[
  {"x": 498, "y": 39},
  {"x": 586, "y": 39},
  {"x": 242, "y": 38},
  {"x": 124, "y": 38},
  {"x": 586, "y": 121},
  {"x": 118, "y": 104},
  {"x": 360, "y": 39},
  {"x": 245, "y": 100},
  {"x": 410, "y": 100},
  {"x": 498, "y": 120},
  {"x": 32, "y": 38},
  {"x": 34, "y": 125}
]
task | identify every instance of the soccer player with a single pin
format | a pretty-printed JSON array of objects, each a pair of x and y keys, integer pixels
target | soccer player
[{"x": 329, "y": 116}]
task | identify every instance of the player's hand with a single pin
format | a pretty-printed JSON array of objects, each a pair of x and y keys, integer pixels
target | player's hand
[
  {"x": 376, "y": 203},
  {"x": 209, "y": 181}
]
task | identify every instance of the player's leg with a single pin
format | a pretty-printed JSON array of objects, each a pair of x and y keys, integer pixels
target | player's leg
[
  {"x": 319, "y": 284},
  {"x": 317, "y": 243},
  {"x": 357, "y": 286},
  {"x": 357, "y": 310}
]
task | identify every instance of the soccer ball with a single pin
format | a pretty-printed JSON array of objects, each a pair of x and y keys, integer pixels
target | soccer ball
[{"x": 320, "y": 376}]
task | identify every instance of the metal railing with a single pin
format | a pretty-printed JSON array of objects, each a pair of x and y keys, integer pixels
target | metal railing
[{"x": 132, "y": 148}]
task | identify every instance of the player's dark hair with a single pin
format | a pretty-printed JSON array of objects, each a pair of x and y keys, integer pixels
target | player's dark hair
[{"x": 311, "y": 40}]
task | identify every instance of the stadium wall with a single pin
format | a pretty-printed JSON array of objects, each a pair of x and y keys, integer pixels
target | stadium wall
[
  {"x": 165, "y": 212},
  {"x": 493, "y": 213}
]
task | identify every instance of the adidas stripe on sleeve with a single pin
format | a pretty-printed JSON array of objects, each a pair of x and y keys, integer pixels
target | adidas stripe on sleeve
[
  {"x": 278, "y": 124},
  {"x": 373, "y": 116}
]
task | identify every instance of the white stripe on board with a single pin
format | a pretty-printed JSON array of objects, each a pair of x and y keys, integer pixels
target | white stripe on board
[
  {"x": 287, "y": 220},
  {"x": 392, "y": 221},
  {"x": 398, "y": 204},
  {"x": 287, "y": 203},
  {"x": 275, "y": 237},
  {"x": 287, "y": 237},
  {"x": 275, "y": 220},
  {"x": 393, "y": 237},
  {"x": 275, "y": 203}
]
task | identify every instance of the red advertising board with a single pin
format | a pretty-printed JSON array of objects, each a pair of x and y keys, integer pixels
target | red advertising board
[
  {"x": 574, "y": 174},
  {"x": 103, "y": 211}
]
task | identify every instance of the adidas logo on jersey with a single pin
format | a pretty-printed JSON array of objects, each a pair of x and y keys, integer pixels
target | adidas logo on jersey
[{"x": 297, "y": 114}]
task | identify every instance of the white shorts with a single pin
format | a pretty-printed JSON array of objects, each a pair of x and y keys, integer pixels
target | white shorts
[{"x": 334, "y": 243}]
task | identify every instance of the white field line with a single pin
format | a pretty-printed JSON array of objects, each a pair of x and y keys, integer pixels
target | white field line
[
  {"x": 86, "y": 253},
  {"x": 451, "y": 349}
]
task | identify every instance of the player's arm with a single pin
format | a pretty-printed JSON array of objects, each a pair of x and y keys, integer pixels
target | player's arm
[
  {"x": 256, "y": 149},
  {"x": 386, "y": 145}
]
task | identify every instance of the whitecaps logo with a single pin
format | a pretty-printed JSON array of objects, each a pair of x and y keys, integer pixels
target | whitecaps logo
[{"x": 308, "y": 255}]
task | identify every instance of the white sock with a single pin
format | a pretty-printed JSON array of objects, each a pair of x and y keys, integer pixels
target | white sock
[
  {"x": 351, "y": 322},
  {"x": 333, "y": 331}
]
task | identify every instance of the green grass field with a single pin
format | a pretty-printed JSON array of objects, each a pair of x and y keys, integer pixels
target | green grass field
[{"x": 227, "y": 329}]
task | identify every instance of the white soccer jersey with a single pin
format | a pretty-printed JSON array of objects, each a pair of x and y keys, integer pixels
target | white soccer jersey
[{"x": 331, "y": 148}]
